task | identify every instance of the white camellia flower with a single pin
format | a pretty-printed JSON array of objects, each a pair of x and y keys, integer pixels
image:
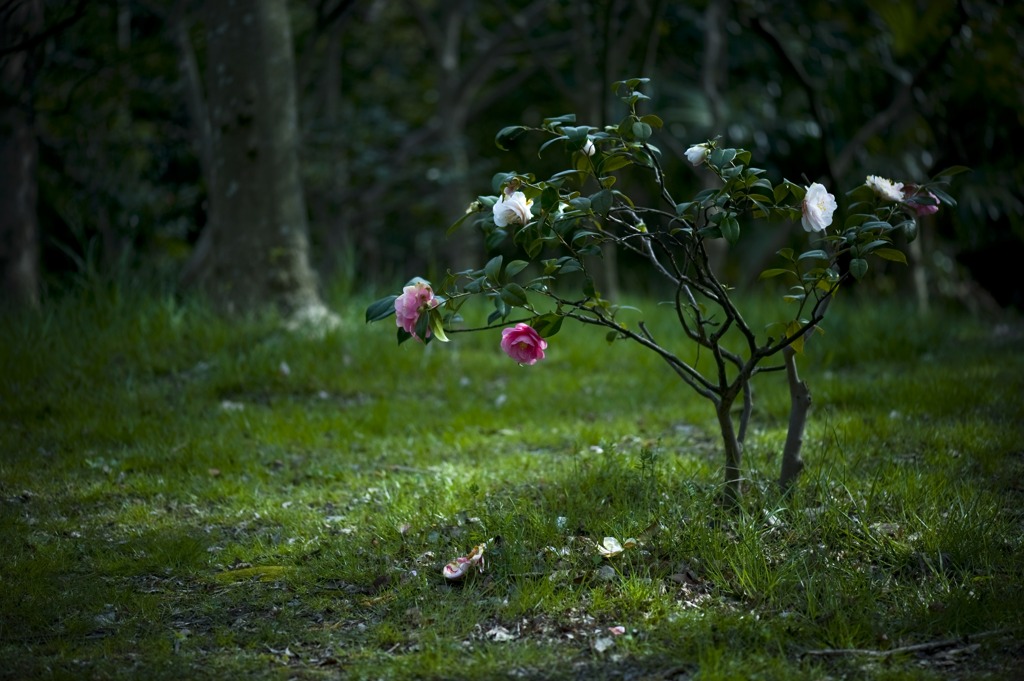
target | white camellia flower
[
  {"x": 818, "y": 208},
  {"x": 589, "y": 147},
  {"x": 887, "y": 189},
  {"x": 513, "y": 209},
  {"x": 697, "y": 153}
]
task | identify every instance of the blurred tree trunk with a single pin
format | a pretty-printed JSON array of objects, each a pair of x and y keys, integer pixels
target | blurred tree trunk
[
  {"x": 254, "y": 251},
  {"x": 19, "y": 154}
]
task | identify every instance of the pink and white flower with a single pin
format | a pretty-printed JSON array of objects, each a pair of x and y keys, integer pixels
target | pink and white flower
[
  {"x": 817, "y": 208},
  {"x": 512, "y": 209},
  {"x": 523, "y": 344},
  {"x": 416, "y": 299},
  {"x": 887, "y": 189}
]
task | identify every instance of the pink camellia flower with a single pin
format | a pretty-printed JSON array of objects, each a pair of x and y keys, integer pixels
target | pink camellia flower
[
  {"x": 912, "y": 195},
  {"x": 887, "y": 189},
  {"x": 817, "y": 208},
  {"x": 523, "y": 344},
  {"x": 416, "y": 299},
  {"x": 512, "y": 209}
]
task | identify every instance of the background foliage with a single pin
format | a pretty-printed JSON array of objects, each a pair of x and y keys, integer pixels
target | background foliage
[{"x": 400, "y": 101}]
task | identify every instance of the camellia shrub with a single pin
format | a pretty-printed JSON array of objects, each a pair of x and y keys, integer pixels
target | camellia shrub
[{"x": 558, "y": 224}]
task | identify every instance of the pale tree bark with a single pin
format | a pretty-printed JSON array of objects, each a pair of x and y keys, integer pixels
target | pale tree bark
[
  {"x": 254, "y": 251},
  {"x": 19, "y": 154}
]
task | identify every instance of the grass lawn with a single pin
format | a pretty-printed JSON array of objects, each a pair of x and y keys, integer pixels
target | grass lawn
[{"x": 184, "y": 497}]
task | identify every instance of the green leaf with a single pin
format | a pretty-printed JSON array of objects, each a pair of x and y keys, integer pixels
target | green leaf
[
  {"x": 494, "y": 239},
  {"x": 942, "y": 196},
  {"x": 458, "y": 223},
  {"x": 556, "y": 121},
  {"x": 891, "y": 254},
  {"x": 792, "y": 329},
  {"x": 514, "y": 295},
  {"x": 566, "y": 173},
  {"x": 720, "y": 157},
  {"x": 780, "y": 192},
  {"x": 909, "y": 229},
  {"x": 550, "y": 142},
  {"x": 507, "y": 135},
  {"x": 601, "y": 202},
  {"x": 403, "y": 335},
  {"x": 613, "y": 162},
  {"x": 515, "y": 267},
  {"x": 568, "y": 264},
  {"x": 422, "y": 325},
  {"x": 652, "y": 120},
  {"x": 877, "y": 243},
  {"x": 437, "y": 326},
  {"x": 774, "y": 272},
  {"x": 549, "y": 199},
  {"x": 785, "y": 253},
  {"x": 547, "y": 325},
  {"x": 796, "y": 190},
  {"x": 493, "y": 268},
  {"x": 953, "y": 170},
  {"x": 641, "y": 131},
  {"x": 815, "y": 254},
  {"x": 497, "y": 181},
  {"x": 381, "y": 309},
  {"x": 858, "y": 267},
  {"x": 730, "y": 229}
]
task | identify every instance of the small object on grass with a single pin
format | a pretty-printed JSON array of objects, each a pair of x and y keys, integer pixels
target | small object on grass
[
  {"x": 463, "y": 565},
  {"x": 611, "y": 547}
]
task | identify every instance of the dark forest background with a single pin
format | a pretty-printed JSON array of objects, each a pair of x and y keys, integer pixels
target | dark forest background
[{"x": 398, "y": 102}]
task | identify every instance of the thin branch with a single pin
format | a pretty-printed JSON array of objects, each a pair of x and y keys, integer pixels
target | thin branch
[
  {"x": 691, "y": 376},
  {"x": 916, "y": 648}
]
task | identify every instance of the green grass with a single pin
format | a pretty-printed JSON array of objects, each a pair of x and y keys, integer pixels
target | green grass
[{"x": 185, "y": 497}]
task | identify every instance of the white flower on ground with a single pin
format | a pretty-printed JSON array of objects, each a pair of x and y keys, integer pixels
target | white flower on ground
[
  {"x": 512, "y": 209},
  {"x": 887, "y": 189},
  {"x": 818, "y": 207},
  {"x": 697, "y": 153}
]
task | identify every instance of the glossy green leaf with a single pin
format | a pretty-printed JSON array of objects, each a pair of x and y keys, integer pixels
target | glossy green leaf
[
  {"x": 730, "y": 229},
  {"x": 952, "y": 171},
  {"x": 507, "y": 135},
  {"x": 380, "y": 309},
  {"x": 942, "y": 196},
  {"x": 891, "y": 254},
  {"x": 547, "y": 325},
  {"x": 641, "y": 131},
  {"x": 817, "y": 254},
  {"x": 493, "y": 268},
  {"x": 601, "y": 202},
  {"x": 437, "y": 325},
  {"x": 858, "y": 267},
  {"x": 774, "y": 272},
  {"x": 515, "y": 267},
  {"x": 514, "y": 295}
]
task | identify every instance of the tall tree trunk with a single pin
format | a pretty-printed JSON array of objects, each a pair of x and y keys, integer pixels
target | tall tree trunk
[
  {"x": 256, "y": 249},
  {"x": 19, "y": 154}
]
